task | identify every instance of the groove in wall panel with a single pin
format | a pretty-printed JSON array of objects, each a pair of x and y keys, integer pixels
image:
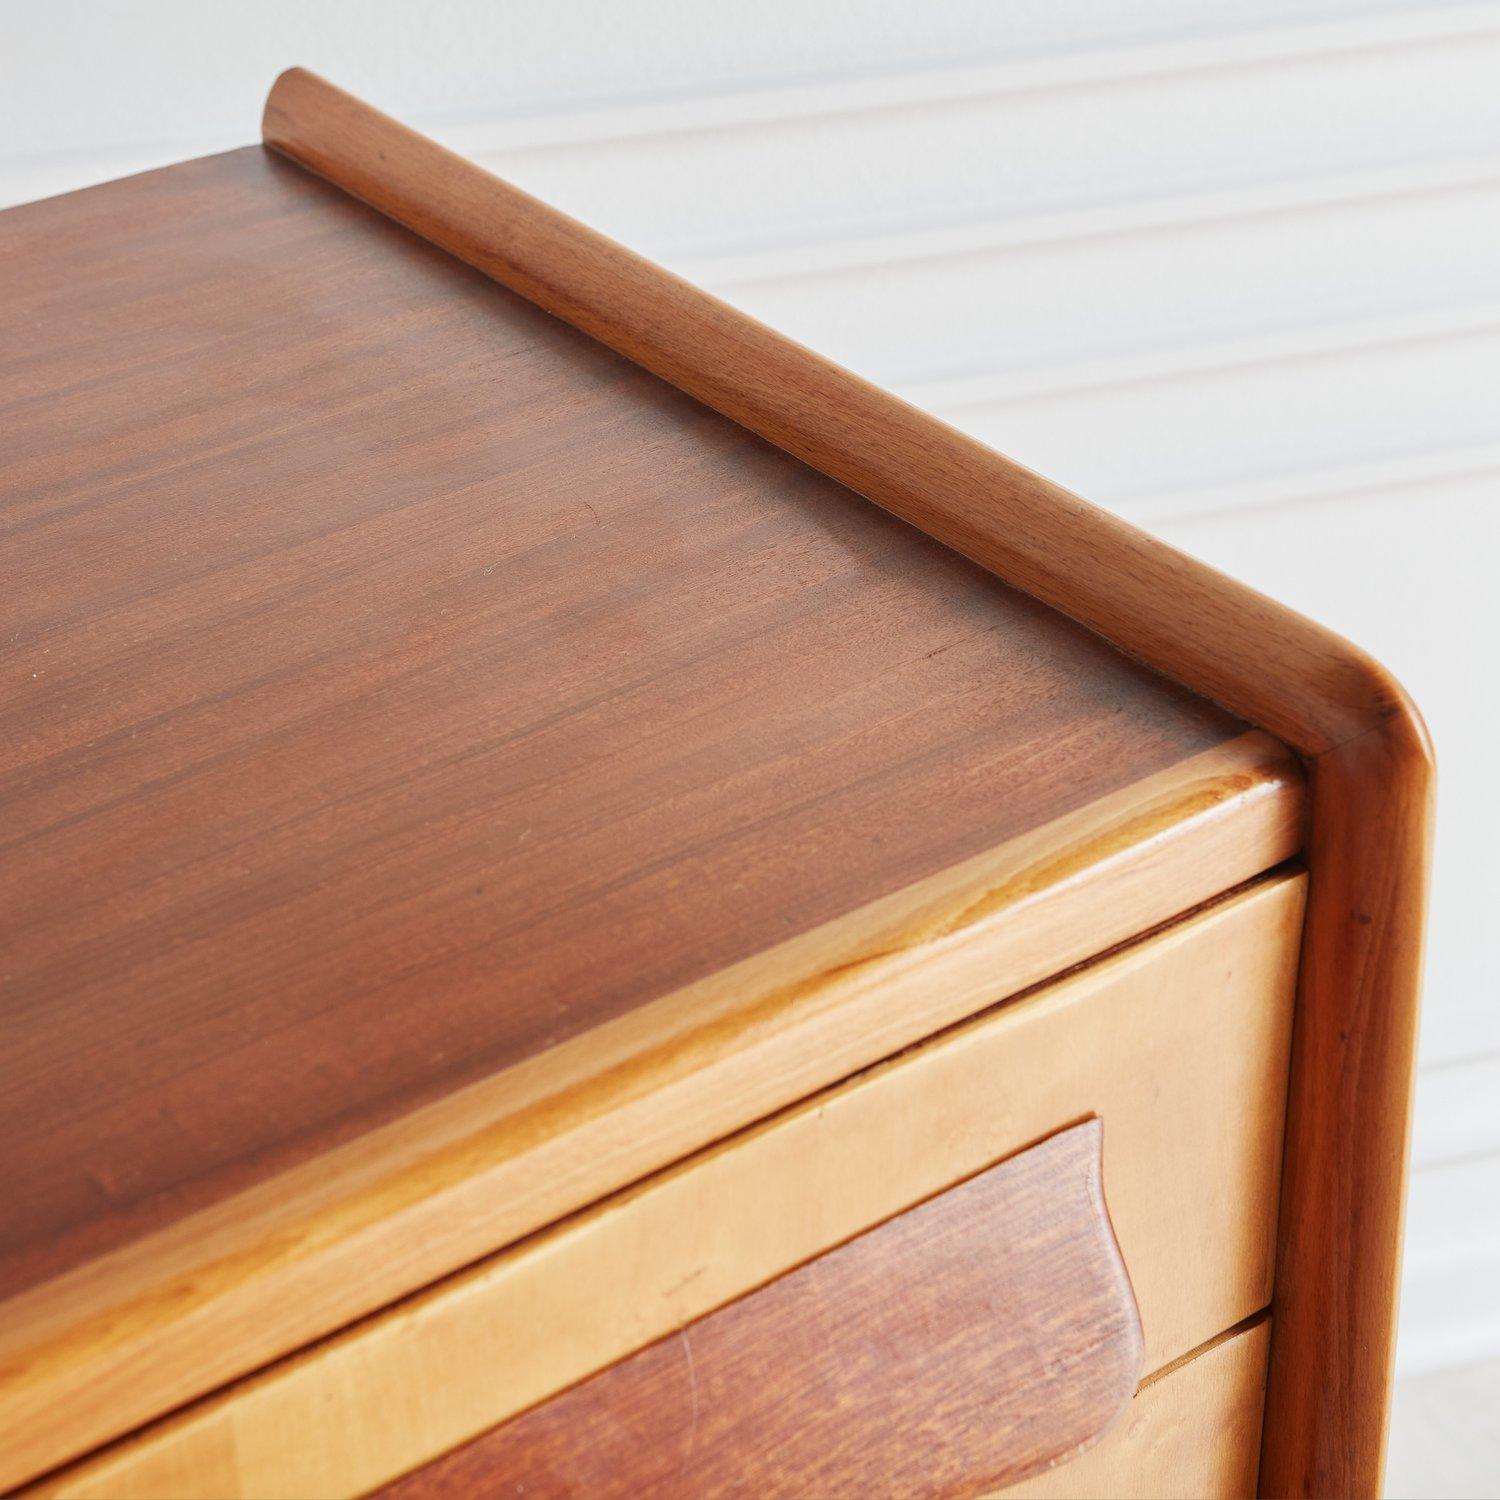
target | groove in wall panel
[
  {"x": 1081, "y": 297},
  {"x": 771, "y": 180},
  {"x": 1309, "y": 412}
]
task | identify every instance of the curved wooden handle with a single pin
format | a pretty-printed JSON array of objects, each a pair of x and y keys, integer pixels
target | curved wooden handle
[{"x": 979, "y": 1338}]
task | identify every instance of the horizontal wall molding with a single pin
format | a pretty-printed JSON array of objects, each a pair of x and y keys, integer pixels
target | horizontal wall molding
[
  {"x": 727, "y": 273},
  {"x": 630, "y": 118},
  {"x": 1427, "y": 471},
  {"x": 951, "y": 396},
  {"x": 826, "y": 191},
  {"x": 1395, "y": 38},
  {"x": 1032, "y": 323},
  {"x": 1208, "y": 435}
]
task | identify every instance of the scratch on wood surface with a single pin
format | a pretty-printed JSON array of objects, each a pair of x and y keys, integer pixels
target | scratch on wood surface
[{"x": 692, "y": 1437}]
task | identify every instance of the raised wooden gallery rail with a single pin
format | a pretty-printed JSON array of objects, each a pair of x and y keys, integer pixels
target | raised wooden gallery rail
[{"x": 1367, "y": 752}]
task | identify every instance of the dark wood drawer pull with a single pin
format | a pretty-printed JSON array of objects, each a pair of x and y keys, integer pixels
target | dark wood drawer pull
[{"x": 981, "y": 1337}]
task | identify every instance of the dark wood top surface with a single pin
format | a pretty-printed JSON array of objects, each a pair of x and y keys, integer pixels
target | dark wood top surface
[{"x": 396, "y": 683}]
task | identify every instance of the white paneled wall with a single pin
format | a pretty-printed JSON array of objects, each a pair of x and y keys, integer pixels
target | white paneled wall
[{"x": 1230, "y": 268}]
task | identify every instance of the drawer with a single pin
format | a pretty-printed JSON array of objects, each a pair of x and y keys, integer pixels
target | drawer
[{"x": 1177, "y": 1045}]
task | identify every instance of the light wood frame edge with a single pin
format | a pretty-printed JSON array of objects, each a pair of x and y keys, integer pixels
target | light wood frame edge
[{"x": 1369, "y": 757}]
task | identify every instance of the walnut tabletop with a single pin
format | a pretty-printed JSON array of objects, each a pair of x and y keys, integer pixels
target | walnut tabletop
[
  {"x": 399, "y": 685},
  {"x": 399, "y": 682}
]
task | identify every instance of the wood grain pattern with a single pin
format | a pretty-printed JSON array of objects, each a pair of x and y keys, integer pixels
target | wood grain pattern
[
  {"x": 448, "y": 773},
  {"x": 1191, "y": 1433},
  {"x": 432, "y": 642},
  {"x": 1323, "y": 697},
  {"x": 965, "y": 1344},
  {"x": 1349, "y": 1116},
  {"x": 1178, "y": 1042}
]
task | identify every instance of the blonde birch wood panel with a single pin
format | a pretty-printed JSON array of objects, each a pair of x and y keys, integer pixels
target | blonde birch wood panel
[{"x": 1179, "y": 1044}]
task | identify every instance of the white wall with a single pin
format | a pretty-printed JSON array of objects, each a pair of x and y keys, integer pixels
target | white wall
[{"x": 1230, "y": 268}]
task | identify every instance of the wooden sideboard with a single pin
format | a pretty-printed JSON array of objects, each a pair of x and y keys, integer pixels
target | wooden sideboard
[{"x": 552, "y": 945}]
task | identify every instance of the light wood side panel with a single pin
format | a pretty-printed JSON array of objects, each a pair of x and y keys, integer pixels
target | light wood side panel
[
  {"x": 1178, "y": 1044},
  {"x": 1192, "y": 1434},
  {"x": 1373, "y": 763},
  {"x": 95, "y": 1352},
  {"x": 982, "y": 1336}
]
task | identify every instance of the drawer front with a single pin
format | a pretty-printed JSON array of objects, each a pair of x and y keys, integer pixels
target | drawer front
[
  {"x": 1193, "y": 1434},
  {"x": 970, "y": 1341},
  {"x": 1178, "y": 1045}
]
